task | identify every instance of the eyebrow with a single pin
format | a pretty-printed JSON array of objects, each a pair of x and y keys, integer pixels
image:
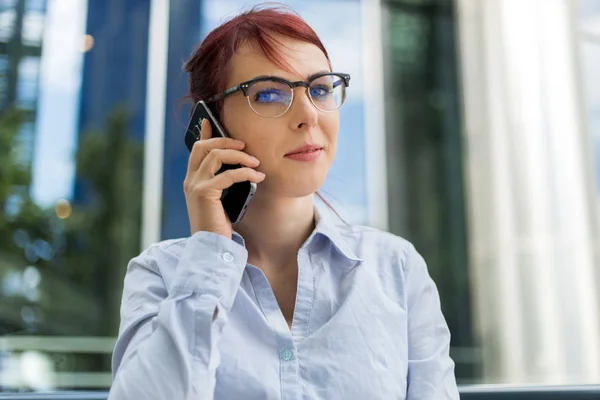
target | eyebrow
[{"x": 280, "y": 77}]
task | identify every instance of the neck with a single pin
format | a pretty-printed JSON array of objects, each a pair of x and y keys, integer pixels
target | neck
[{"x": 274, "y": 229}]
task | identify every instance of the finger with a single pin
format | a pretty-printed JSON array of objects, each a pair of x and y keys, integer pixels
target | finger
[
  {"x": 231, "y": 176},
  {"x": 205, "y": 129},
  {"x": 203, "y": 147},
  {"x": 217, "y": 157}
]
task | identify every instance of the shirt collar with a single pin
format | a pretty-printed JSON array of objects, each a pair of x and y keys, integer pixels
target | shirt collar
[
  {"x": 329, "y": 226},
  {"x": 236, "y": 237}
]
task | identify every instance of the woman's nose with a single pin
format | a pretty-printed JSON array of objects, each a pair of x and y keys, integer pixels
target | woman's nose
[{"x": 304, "y": 113}]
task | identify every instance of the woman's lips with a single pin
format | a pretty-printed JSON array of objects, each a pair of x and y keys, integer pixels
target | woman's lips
[{"x": 307, "y": 155}]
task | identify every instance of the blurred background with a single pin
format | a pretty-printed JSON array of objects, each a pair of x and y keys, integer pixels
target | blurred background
[{"x": 472, "y": 129}]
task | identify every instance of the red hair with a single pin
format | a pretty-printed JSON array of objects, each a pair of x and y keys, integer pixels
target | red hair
[{"x": 207, "y": 67}]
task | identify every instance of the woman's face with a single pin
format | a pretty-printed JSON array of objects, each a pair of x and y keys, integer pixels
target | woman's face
[{"x": 272, "y": 139}]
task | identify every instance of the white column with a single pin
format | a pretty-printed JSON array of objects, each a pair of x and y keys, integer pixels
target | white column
[
  {"x": 156, "y": 94},
  {"x": 374, "y": 125},
  {"x": 530, "y": 193}
]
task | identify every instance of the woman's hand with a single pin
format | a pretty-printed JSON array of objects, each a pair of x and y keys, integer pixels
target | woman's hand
[{"x": 203, "y": 188}]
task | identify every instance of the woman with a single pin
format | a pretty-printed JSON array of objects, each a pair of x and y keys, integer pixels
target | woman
[{"x": 293, "y": 304}]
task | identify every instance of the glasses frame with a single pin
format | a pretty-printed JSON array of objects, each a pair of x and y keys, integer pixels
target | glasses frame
[{"x": 245, "y": 86}]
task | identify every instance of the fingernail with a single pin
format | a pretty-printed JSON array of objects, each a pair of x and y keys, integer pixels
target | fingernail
[{"x": 262, "y": 175}]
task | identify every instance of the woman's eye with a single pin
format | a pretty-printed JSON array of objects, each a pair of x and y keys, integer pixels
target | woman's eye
[
  {"x": 267, "y": 96},
  {"x": 319, "y": 91}
]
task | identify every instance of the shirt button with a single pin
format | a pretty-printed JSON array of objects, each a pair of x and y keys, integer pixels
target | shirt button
[
  {"x": 286, "y": 355},
  {"x": 227, "y": 257}
]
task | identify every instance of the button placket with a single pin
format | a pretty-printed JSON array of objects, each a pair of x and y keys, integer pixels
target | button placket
[
  {"x": 285, "y": 351},
  {"x": 304, "y": 297},
  {"x": 287, "y": 355}
]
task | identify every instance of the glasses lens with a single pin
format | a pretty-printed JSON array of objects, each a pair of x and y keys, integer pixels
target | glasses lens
[
  {"x": 328, "y": 92},
  {"x": 270, "y": 98}
]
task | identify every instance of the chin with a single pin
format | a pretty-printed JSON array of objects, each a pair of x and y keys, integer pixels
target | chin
[{"x": 293, "y": 187}]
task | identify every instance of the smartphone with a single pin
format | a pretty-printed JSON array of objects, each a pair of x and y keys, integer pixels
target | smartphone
[{"x": 237, "y": 197}]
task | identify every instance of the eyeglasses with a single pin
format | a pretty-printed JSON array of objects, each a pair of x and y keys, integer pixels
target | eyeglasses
[{"x": 271, "y": 97}]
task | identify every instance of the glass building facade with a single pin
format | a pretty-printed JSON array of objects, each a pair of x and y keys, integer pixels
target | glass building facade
[
  {"x": 425, "y": 155},
  {"x": 93, "y": 161}
]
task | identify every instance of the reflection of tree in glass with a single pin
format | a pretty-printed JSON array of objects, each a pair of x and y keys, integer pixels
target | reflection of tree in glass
[
  {"x": 103, "y": 234},
  {"x": 61, "y": 269},
  {"x": 24, "y": 229}
]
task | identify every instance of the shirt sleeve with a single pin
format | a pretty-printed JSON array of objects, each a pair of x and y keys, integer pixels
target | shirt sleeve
[
  {"x": 430, "y": 368},
  {"x": 167, "y": 346}
]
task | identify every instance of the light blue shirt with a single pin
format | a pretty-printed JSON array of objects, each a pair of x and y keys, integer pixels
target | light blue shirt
[{"x": 198, "y": 322}]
